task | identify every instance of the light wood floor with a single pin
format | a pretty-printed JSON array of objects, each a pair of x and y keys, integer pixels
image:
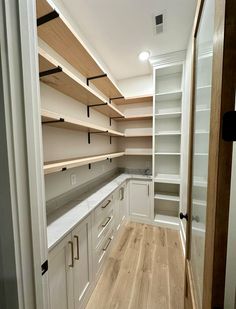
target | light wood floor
[{"x": 145, "y": 270}]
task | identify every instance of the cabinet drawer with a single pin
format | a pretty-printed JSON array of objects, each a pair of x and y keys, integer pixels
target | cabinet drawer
[
  {"x": 102, "y": 250},
  {"x": 103, "y": 226},
  {"x": 103, "y": 208}
]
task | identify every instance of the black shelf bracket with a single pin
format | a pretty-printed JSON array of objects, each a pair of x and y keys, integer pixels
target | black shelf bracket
[
  {"x": 46, "y": 18},
  {"x": 89, "y": 135},
  {"x": 95, "y": 77},
  {"x": 89, "y": 106},
  {"x": 116, "y": 98},
  {"x": 118, "y": 117},
  {"x": 53, "y": 121},
  {"x": 50, "y": 72},
  {"x": 89, "y": 166},
  {"x": 64, "y": 169}
]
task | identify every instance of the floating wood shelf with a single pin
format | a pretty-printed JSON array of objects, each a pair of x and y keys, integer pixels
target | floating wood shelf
[
  {"x": 136, "y": 117},
  {"x": 63, "y": 165},
  {"x": 60, "y": 121},
  {"x": 163, "y": 133},
  {"x": 138, "y": 135},
  {"x": 67, "y": 83},
  {"x": 138, "y": 153},
  {"x": 60, "y": 36},
  {"x": 133, "y": 100}
]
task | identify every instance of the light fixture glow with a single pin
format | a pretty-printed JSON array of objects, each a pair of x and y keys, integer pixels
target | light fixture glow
[{"x": 144, "y": 55}]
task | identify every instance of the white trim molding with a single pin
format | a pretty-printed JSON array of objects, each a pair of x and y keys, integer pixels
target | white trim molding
[{"x": 167, "y": 59}]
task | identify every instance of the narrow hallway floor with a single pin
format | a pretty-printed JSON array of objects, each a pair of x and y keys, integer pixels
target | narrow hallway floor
[{"x": 145, "y": 270}]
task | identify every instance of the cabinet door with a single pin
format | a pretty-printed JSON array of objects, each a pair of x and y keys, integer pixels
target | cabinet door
[
  {"x": 60, "y": 274},
  {"x": 82, "y": 271},
  {"x": 139, "y": 199},
  {"x": 122, "y": 203}
]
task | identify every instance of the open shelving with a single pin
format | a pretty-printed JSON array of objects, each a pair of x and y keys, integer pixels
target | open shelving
[
  {"x": 58, "y": 33},
  {"x": 60, "y": 78},
  {"x": 65, "y": 122},
  {"x": 63, "y": 165},
  {"x": 136, "y": 117},
  {"x": 167, "y": 128},
  {"x": 134, "y": 100}
]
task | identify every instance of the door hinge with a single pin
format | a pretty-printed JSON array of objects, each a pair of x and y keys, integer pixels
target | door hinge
[
  {"x": 44, "y": 267},
  {"x": 229, "y": 127}
]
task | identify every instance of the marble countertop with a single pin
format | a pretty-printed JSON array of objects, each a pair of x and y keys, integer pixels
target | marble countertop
[{"x": 64, "y": 220}]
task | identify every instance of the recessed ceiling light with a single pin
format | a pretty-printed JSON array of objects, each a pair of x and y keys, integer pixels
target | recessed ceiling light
[{"x": 144, "y": 55}]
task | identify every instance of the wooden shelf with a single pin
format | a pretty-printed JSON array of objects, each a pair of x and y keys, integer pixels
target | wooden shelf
[
  {"x": 139, "y": 135},
  {"x": 65, "y": 122},
  {"x": 167, "y": 178},
  {"x": 67, "y": 83},
  {"x": 62, "y": 165},
  {"x": 136, "y": 117},
  {"x": 60, "y": 36},
  {"x": 134, "y": 100},
  {"x": 167, "y": 197}
]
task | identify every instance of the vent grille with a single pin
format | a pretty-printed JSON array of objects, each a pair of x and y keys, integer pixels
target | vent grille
[{"x": 159, "y": 21}]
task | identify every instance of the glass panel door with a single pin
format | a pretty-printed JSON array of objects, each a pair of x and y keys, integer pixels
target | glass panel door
[{"x": 202, "y": 108}]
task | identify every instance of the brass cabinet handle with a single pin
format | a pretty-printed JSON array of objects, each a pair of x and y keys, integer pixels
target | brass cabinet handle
[
  {"x": 108, "y": 243},
  {"x": 72, "y": 253},
  {"x": 104, "y": 206},
  {"x": 108, "y": 220},
  {"x": 77, "y": 246}
]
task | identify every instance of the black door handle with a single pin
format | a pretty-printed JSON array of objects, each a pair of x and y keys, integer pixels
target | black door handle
[{"x": 182, "y": 216}]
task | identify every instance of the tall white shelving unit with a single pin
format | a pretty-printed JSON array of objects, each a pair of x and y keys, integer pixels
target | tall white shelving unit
[{"x": 167, "y": 122}]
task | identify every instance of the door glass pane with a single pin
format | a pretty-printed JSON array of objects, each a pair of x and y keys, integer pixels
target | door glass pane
[{"x": 203, "y": 81}]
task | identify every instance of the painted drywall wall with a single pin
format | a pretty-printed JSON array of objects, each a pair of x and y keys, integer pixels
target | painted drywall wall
[
  {"x": 62, "y": 143},
  {"x": 137, "y": 86}
]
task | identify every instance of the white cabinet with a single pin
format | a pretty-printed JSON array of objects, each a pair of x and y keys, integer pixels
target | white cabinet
[
  {"x": 121, "y": 205},
  {"x": 61, "y": 275},
  {"x": 140, "y": 199},
  {"x": 82, "y": 272},
  {"x": 70, "y": 268}
]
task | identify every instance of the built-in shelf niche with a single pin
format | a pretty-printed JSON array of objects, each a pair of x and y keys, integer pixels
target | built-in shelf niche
[{"x": 167, "y": 142}]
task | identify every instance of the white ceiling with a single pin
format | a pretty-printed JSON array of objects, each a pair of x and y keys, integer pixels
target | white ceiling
[{"x": 119, "y": 29}]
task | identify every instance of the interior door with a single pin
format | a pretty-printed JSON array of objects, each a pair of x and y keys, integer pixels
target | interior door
[{"x": 213, "y": 94}]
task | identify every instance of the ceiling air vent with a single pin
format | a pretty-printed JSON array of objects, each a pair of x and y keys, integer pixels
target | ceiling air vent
[{"x": 159, "y": 19}]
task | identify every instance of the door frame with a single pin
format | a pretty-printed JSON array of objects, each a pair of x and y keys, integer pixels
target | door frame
[
  {"x": 22, "y": 174},
  {"x": 220, "y": 158}
]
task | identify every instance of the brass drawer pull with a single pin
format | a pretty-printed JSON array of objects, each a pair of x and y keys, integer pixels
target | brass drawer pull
[
  {"x": 108, "y": 243},
  {"x": 77, "y": 245},
  {"x": 72, "y": 253},
  {"x": 108, "y": 220},
  {"x": 104, "y": 206}
]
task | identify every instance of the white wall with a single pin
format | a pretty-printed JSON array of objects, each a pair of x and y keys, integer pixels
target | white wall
[{"x": 137, "y": 86}]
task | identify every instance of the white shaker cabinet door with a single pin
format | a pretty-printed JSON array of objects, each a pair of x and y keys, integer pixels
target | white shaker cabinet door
[
  {"x": 139, "y": 199},
  {"x": 82, "y": 271},
  {"x": 60, "y": 273}
]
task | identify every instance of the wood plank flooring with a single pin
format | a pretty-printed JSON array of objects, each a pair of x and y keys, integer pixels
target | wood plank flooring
[{"x": 145, "y": 270}]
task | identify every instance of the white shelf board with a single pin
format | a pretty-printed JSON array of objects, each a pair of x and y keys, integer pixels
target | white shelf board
[
  {"x": 167, "y": 153},
  {"x": 167, "y": 221},
  {"x": 168, "y": 115},
  {"x": 168, "y": 96},
  {"x": 138, "y": 153},
  {"x": 199, "y": 202},
  {"x": 167, "y": 197},
  {"x": 167, "y": 178},
  {"x": 139, "y": 135},
  {"x": 163, "y": 133},
  {"x": 201, "y": 132}
]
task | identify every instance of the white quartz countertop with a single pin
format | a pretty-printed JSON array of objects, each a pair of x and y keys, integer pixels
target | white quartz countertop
[{"x": 64, "y": 220}]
